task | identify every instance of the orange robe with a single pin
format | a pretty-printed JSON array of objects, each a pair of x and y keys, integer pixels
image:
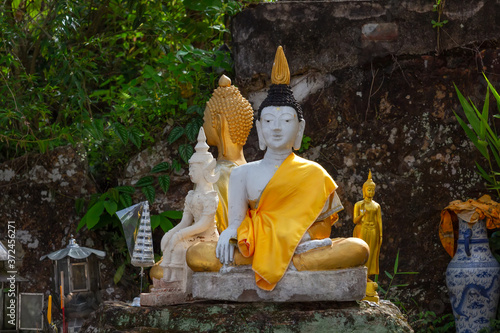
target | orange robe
[{"x": 291, "y": 202}]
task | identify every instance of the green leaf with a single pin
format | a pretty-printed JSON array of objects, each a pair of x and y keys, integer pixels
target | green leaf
[
  {"x": 155, "y": 221},
  {"x": 396, "y": 263},
  {"x": 389, "y": 275},
  {"x": 83, "y": 222},
  {"x": 202, "y": 5},
  {"x": 484, "y": 174},
  {"x": 163, "y": 166},
  {"x": 194, "y": 109},
  {"x": 110, "y": 206},
  {"x": 94, "y": 213},
  {"x": 175, "y": 134},
  {"x": 145, "y": 181},
  {"x": 472, "y": 136},
  {"x": 149, "y": 192},
  {"x": 176, "y": 165},
  {"x": 125, "y": 200},
  {"x": 79, "y": 203},
  {"x": 469, "y": 111},
  {"x": 114, "y": 195},
  {"x": 42, "y": 146},
  {"x": 121, "y": 132},
  {"x": 125, "y": 189},
  {"x": 135, "y": 136},
  {"x": 172, "y": 214},
  {"x": 185, "y": 151},
  {"x": 493, "y": 90},
  {"x": 401, "y": 285},
  {"x": 192, "y": 130},
  {"x": 165, "y": 224},
  {"x": 119, "y": 273},
  {"x": 164, "y": 181}
]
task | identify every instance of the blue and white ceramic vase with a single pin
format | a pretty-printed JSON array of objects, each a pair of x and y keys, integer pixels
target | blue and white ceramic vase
[{"x": 472, "y": 278}]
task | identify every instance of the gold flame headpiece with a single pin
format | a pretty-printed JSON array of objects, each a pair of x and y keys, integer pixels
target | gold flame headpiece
[
  {"x": 280, "y": 93},
  {"x": 369, "y": 181}
]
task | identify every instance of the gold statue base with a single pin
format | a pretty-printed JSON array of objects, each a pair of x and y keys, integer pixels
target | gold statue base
[{"x": 371, "y": 292}]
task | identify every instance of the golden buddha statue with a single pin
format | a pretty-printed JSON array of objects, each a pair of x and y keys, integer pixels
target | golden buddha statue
[
  {"x": 228, "y": 120},
  {"x": 282, "y": 207},
  {"x": 368, "y": 220}
]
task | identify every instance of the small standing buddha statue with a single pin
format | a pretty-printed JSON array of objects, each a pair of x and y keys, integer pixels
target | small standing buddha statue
[{"x": 368, "y": 221}]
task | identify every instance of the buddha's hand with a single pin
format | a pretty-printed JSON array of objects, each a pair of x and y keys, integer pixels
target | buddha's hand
[{"x": 225, "y": 250}]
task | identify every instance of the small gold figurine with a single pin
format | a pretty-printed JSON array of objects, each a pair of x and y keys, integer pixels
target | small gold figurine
[{"x": 368, "y": 220}]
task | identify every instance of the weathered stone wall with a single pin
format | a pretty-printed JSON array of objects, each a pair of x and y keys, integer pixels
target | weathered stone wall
[{"x": 377, "y": 96}]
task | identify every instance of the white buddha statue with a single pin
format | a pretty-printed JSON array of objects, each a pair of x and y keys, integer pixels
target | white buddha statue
[{"x": 281, "y": 208}]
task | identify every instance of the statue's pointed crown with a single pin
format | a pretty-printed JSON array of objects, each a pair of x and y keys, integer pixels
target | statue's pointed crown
[
  {"x": 369, "y": 181},
  {"x": 280, "y": 73},
  {"x": 280, "y": 93},
  {"x": 201, "y": 149}
]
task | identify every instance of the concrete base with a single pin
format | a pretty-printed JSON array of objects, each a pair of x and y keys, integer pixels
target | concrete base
[
  {"x": 310, "y": 286},
  {"x": 168, "y": 293}
]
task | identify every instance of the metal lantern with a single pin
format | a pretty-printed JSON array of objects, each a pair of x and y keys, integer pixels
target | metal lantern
[{"x": 77, "y": 271}]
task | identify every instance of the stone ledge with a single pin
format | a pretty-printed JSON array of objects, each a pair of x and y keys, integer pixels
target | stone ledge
[
  {"x": 332, "y": 317},
  {"x": 311, "y": 286}
]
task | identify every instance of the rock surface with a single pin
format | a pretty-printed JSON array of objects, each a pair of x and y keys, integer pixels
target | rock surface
[{"x": 249, "y": 317}]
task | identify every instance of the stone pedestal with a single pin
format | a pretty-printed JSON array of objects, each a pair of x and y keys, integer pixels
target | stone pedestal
[
  {"x": 311, "y": 286},
  {"x": 165, "y": 293}
]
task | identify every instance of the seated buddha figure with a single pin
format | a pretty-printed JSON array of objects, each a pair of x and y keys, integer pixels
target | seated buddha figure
[
  {"x": 198, "y": 218},
  {"x": 228, "y": 120},
  {"x": 281, "y": 208}
]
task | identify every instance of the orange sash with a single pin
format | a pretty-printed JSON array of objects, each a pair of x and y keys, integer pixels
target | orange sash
[
  {"x": 481, "y": 209},
  {"x": 288, "y": 206}
]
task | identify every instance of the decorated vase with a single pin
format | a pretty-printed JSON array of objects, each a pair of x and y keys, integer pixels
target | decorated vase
[{"x": 472, "y": 278}]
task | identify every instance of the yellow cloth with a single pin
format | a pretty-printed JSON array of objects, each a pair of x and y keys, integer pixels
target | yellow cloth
[
  {"x": 291, "y": 202},
  {"x": 481, "y": 209},
  {"x": 221, "y": 187}
]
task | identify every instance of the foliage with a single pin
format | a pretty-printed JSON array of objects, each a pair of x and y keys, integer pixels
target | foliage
[
  {"x": 428, "y": 321},
  {"x": 110, "y": 75},
  {"x": 306, "y": 143},
  {"x": 483, "y": 136},
  {"x": 385, "y": 293},
  {"x": 438, "y": 7},
  {"x": 494, "y": 326}
]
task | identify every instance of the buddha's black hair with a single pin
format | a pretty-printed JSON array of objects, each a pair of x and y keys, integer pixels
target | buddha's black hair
[{"x": 281, "y": 95}]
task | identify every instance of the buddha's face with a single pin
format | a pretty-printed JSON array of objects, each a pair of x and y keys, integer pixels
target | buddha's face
[
  {"x": 196, "y": 172},
  {"x": 280, "y": 128},
  {"x": 370, "y": 191},
  {"x": 210, "y": 132}
]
